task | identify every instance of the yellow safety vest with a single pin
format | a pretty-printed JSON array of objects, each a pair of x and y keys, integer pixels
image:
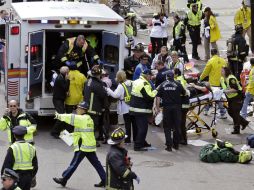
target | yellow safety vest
[
  {"x": 93, "y": 41},
  {"x": 178, "y": 29},
  {"x": 5, "y": 124},
  {"x": 194, "y": 19},
  {"x": 77, "y": 81},
  {"x": 128, "y": 30},
  {"x": 226, "y": 86},
  {"x": 83, "y": 130},
  {"x": 24, "y": 154},
  {"x": 182, "y": 81},
  {"x": 250, "y": 86}
]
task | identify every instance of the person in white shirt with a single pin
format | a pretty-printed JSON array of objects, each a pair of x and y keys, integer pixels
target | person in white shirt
[
  {"x": 122, "y": 93},
  {"x": 156, "y": 33},
  {"x": 164, "y": 29},
  {"x": 162, "y": 56}
]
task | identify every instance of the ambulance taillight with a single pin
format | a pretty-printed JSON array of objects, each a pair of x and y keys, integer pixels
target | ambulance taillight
[{"x": 15, "y": 30}]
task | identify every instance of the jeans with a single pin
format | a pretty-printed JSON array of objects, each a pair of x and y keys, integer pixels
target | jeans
[
  {"x": 223, "y": 110},
  {"x": 77, "y": 159},
  {"x": 247, "y": 100}
]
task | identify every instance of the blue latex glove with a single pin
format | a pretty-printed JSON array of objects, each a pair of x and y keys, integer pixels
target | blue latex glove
[
  {"x": 137, "y": 179},
  {"x": 68, "y": 63},
  {"x": 100, "y": 62}
]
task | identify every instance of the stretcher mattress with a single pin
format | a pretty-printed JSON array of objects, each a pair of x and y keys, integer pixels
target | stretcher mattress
[{"x": 216, "y": 95}]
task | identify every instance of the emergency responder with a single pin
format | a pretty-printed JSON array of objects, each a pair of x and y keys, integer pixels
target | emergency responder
[
  {"x": 191, "y": 2},
  {"x": 84, "y": 143},
  {"x": 129, "y": 34},
  {"x": 60, "y": 92},
  {"x": 243, "y": 17},
  {"x": 237, "y": 52},
  {"x": 15, "y": 116},
  {"x": 213, "y": 71},
  {"x": 94, "y": 95},
  {"x": 193, "y": 22},
  {"x": 10, "y": 180},
  {"x": 142, "y": 97},
  {"x": 161, "y": 76},
  {"x": 77, "y": 52},
  {"x": 233, "y": 91},
  {"x": 170, "y": 93},
  {"x": 131, "y": 62},
  {"x": 21, "y": 157},
  {"x": 92, "y": 40},
  {"x": 75, "y": 93},
  {"x": 118, "y": 163},
  {"x": 144, "y": 59},
  {"x": 176, "y": 62},
  {"x": 179, "y": 37},
  {"x": 249, "y": 94},
  {"x": 185, "y": 106}
]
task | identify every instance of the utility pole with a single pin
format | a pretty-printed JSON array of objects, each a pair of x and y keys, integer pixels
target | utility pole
[{"x": 252, "y": 25}]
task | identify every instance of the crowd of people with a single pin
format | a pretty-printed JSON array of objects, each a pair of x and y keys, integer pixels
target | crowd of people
[{"x": 83, "y": 94}]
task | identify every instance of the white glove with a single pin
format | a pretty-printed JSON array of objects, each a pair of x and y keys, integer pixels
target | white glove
[
  {"x": 137, "y": 179},
  {"x": 57, "y": 116}
]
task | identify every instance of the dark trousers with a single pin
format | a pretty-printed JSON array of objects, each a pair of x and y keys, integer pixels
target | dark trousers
[
  {"x": 142, "y": 126},
  {"x": 234, "y": 108},
  {"x": 70, "y": 108},
  {"x": 236, "y": 68},
  {"x": 181, "y": 47},
  {"x": 59, "y": 125},
  {"x": 164, "y": 41},
  {"x": 129, "y": 121},
  {"x": 98, "y": 126},
  {"x": 195, "y": 39},
  {"x": 25, "y": 179},
  {"x": 77, "y": 159},
  {"x": 172, "y": 122},
  {"x": 156, "y": 49},
  {"x": 183, "y": 125}
]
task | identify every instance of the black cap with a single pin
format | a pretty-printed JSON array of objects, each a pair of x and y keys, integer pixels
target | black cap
[
  {"x": 138, "y": 47},
  {"x": 170, "y": 74},
  {"x": 19, "y": 130},
  {"x": 11, "y": 174}
]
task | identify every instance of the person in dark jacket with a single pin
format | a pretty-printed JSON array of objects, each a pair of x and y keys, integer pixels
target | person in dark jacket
[
  {"x": 118, "y": 164},
  {"x": 77, "y": 52},
  {"x": 116, "y": 6},
  {"x": 94, "y": 95},
  {"x": 10, "y": 180},
  {"x": 161, "y": 76},
  {"x": 25, "y": 152},
  {"x": 60, "y": 90}
]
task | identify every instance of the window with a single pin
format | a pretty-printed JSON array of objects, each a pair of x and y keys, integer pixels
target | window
[{"x": 111, "y": 54}]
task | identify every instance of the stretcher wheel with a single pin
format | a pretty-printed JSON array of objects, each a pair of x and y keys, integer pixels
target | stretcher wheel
[
  {"x": 214, "y": 133},
  {"x": 198, "y": 130}
]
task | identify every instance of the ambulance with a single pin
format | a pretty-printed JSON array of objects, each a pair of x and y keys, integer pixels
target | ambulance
[{"x": 35, "y": 33}]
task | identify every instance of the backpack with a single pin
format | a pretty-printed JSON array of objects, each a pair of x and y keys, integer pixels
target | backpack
[
  {"x": 209, "y": 154},
  {"x": 228, "y": 155},
  {"x": 127, "y": 93}
]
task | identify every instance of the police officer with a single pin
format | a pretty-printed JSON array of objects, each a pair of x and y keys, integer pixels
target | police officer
[
  {"x": 179, "y": 37},
  {"x": 74, "y": 52},
  {"x": 238, "y": 52},
  {"x": 94, "y": 95},
  {"x": 21, "y": 157},
  {"x": 170, "y": 92},
  {"x": 193, "y": 21},
  {"x": 10, "y": 180},
  {"x": 84, "y": 144},
  {"x": 233, "y": 91},
  {"x": 142, "y": 96},
  {"x": 15, "y": 116},
  {"x": 118, "y": 163}
]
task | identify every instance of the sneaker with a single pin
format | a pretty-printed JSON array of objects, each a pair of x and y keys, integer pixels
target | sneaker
[
  {"x": 205, "y": 112},
  {"x": 60, "y": 181},
  {"x": 101, "y": 184},
  {"x": 222, "y": 116}
]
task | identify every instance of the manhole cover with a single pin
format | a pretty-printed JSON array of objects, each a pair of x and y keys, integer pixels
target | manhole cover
[{"x": 155, "y": 164}]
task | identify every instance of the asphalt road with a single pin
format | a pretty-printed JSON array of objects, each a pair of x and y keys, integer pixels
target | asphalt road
[{"x": 158, "y": 169}]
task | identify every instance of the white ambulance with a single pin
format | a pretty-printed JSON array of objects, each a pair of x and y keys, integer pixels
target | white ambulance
[{"x": 34, "y": 36}]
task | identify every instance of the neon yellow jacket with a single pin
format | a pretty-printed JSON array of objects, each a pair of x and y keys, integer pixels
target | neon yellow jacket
[
  {"x": 214, "y": 29},
  {"x": 213, "y": 70},
  {"x": 77, "y": 81},
  {"x": 243, "y": 17},
  {"x": 250, "y": 86}
]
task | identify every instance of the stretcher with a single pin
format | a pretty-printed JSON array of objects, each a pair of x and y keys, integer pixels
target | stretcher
[{"x": 197, "y": 106}]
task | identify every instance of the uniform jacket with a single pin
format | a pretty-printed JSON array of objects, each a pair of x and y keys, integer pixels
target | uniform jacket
[
  {"x": 243, "y": 17},
  {"x": 129, "y": 66},
  {"x": 213, "y": 70},
  {"x": 14, "y": 187},
  {"x": 61, "y": 87},
  {"x": 250, "y": 87},
  {"x": 7, "y": 122},
  {"x": 94, "y": 95},
  {"x": 119, "y": 174},
  {"x": 214, "y": 29}
]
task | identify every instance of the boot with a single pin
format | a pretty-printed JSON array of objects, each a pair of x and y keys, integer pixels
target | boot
[
  {"x": 168, "y": 148},
  {"x": 236, "y": 130},
  {"x": 33, "y": 183},
  {"x": 101, "y": 184},
  {"x": 60, "y": 181}
]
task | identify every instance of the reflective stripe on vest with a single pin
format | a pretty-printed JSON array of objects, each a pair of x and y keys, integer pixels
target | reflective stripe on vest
[
  {"x": 178, "y": 29},
  {"x": 129, "y": 30},
  {"x": 83, "y": 130},
  {"x": 194, "y": 19},
  {"x": 127, "y": 98},
  {"x": 140, "y": 110},
  {"x": 23, "y": 154}
]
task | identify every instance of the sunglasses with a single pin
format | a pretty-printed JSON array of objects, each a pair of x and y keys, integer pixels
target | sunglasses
[{"x": 13, "y": 106}]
